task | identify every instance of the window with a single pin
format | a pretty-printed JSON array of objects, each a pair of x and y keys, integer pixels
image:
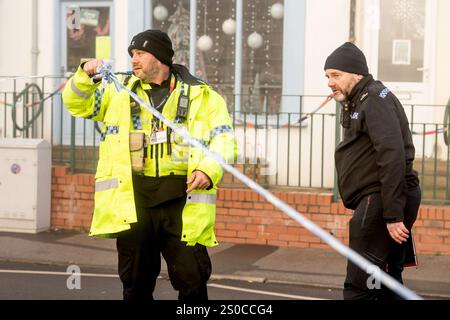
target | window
[
  {"x": 216, "y": 41},
  {"x": 262, "y": 58},
  {"x": 401, "y": 49},
  {"x": 88, "y": 35}
]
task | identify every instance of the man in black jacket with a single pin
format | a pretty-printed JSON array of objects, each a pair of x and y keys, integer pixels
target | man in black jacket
[{"x": 374, "y": 163}]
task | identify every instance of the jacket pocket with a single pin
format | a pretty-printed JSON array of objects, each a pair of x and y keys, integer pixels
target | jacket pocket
[
  {"x": 109, "y": 146},
  {"x": 200, "y": 132},
  {"x": 104, "y": 166},
  {"x": 179, "y": 146},
  {"x": 137, "y": 145},
  {"x": 198, "y": 218}
]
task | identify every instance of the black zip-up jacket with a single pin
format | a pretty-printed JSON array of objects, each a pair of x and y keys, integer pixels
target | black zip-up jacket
[{"x": 377, "y": 152}]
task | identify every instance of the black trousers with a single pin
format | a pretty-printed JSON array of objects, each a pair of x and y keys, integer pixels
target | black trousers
[
  {"x": 370, "y": 238},
  {"x": 157, "y": 231}
]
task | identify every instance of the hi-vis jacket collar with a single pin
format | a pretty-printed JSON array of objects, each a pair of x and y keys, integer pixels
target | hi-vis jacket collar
[
  {"x": 196, "y": 90},
  {"x": 197, "y": 85},
  {"x": 148, "y": 86}
]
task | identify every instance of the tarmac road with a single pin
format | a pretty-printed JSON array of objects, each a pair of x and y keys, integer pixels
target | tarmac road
[
  {"x": 261, "y": 266},
  {"x": 31, "y": 281},
  {"x": 26, "y": 281}
]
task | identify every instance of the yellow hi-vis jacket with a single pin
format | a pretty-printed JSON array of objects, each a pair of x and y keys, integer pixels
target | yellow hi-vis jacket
[{"x": 207, "y": 121}]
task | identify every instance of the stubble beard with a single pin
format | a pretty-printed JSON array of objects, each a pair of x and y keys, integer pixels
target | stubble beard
[
  {"x": 340, "y": 97},
  {"x": 149, "y": 74}
]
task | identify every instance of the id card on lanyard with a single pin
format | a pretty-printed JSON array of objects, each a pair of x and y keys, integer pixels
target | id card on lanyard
[{"x": 158, "y": 136}]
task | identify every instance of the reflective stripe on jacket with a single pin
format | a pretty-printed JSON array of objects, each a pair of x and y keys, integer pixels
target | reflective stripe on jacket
[{"x": 208, "y": 121}]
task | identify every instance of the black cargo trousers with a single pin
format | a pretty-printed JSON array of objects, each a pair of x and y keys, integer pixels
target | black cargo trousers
[
  {"x": 158, "y": 231},
  {"x": 370, "y": 238}
]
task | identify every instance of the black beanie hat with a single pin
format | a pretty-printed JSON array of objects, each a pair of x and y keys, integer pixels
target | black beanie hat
[
  {"x": 348, "y": 58},
  {"x": 155, "y": 42}
]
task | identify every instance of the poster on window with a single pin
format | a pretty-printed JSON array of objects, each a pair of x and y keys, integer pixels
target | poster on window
[
  {"x": 401, "y": 52},
  {"x": 88, "y": 35}
]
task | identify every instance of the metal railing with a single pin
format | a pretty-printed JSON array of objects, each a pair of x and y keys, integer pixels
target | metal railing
[{"x": 277, "y": 149}]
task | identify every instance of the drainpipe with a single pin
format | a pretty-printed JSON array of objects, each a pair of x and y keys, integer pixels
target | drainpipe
[
  {"x": 192, "y": 36},
  {"x": 34, "y": 38},
  {"x": 34, "y": 55},
  {"x": 238, "y": 57}
]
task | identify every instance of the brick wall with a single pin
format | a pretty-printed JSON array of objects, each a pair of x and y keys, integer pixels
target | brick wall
[
  {"x": 245, "y": 217},
  {"x": 72, "y": 199}
]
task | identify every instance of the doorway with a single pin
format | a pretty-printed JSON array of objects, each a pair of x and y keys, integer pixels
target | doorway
[
  {"x": 398, "y": 38},
  {"x": 86, "y": 33}
]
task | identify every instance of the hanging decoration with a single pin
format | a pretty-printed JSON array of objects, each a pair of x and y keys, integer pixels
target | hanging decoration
[
  {"x": 204, "y": 43},
  {"x": 160, "y": 12},
  {"x": 277, "y": 11},
  {"x": 229, "y": 26},
  {"x": 255, "y": 40}
]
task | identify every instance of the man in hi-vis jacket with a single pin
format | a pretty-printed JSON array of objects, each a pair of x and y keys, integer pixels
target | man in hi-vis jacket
[{"x": 153, "y": 192}]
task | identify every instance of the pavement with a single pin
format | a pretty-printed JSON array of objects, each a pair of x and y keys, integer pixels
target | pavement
[{"x": 246, "y": 262}]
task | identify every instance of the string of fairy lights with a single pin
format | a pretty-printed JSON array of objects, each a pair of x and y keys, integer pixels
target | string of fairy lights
[{"x": 216, "y": 38}]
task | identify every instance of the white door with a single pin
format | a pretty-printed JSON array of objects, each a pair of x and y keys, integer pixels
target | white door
[
  {"x": 399, "y": 40},
  {"x": 398, "y": 37}
]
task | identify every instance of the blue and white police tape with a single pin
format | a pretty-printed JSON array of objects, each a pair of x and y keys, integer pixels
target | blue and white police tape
[{"x": 376, "y": 273}]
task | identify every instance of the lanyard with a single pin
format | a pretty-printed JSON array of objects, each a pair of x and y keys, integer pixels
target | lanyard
[{"x": 155, "y": 122}]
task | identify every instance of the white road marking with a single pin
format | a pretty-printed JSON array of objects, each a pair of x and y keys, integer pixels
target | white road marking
[
  {"x": 268, "y": 293},
  {"x": 56, "y": 273},
  {"x": 215, "y": 285}
]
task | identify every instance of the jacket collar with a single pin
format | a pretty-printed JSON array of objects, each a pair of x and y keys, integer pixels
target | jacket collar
[
  {"x": 186, "y": 76},
  {"x": 197, "y": 85},
  {"x": 359, "y": 88}
]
